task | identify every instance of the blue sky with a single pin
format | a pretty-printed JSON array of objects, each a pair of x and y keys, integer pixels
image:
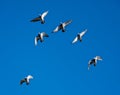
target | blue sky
[{"x": 59, "y": 67}]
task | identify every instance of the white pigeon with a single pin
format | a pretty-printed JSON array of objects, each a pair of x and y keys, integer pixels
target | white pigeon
[
  {"x": 26, "y": 79},
  {"x": 79, "y": 36},
  {"x": 62, "y": 26},
  {"x": 40, "y": 37},
  {"x": 40, "y": 18},
  {"x": 94, "y": 61}
]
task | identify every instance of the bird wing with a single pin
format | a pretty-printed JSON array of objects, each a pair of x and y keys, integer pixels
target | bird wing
[
  {"x": 98, "y": 58},
  {"x": 57, "y": 29},
  {"x": 29, "y": 77},
  {"x": 44, "y": 14},
  {"x": 75, "y": 40},
  {"x": 36, "y": 19},
  {"x": 44, "y": 34},
  {"x": 66, "y": 23},
  {"x": 89, "y": 63},
  {"x": 83, "y": 33},
  {"x": 22, "y": 81},
  {"x": 36, "y": 41}
]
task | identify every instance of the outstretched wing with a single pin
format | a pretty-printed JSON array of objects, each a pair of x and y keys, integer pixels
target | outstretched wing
[
  {"x": 29, "y": 77},
  {"x": 36, "y": 19},
  {"x": 75, "y": 40},
  {"x": 98, "y": 58},
  {"x": 22, "y": 81},
  {"x": 44, "y": 34},
  {"x": 89, "y": 63},
  {"x": 57, "y": 29},
  {"x": 36, "y": 40},
  {"x": 83, "y": 33},
  {"x": 66, "y": 23},
  {"x": 44, "y": 14}
]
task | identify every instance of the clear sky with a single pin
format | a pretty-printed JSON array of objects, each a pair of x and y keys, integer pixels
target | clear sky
[{"x": 59, "y": 67}]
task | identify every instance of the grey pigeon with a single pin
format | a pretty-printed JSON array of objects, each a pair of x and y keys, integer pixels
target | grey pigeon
[
  {"x": 40, "y": 37},
  {"x": 79, "y": 36},
  {"x": 26, "y": 80},
  {"x": 94, "y": 61},
  {"x": 62, "y": 26}
]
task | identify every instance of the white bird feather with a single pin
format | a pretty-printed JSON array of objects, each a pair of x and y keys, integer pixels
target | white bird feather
[{"x": 44, "y": 14}]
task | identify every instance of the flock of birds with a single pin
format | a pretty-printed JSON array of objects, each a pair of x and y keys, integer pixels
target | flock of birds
[{"x": 61, "y": 27}]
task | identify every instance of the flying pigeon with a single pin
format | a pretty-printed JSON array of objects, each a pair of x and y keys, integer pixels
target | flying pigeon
[
  {"x": 40, "y": 37},
  {"x": 40, "y": 18},
  {"x": 26, "y": 79},
  {"x": 62, "y": 26},
  {"x": 79, "y": 36},
  {"x": 94, "y": 61}
]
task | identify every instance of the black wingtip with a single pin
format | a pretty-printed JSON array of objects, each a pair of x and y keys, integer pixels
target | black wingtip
[{"x": 31, "y": 20}]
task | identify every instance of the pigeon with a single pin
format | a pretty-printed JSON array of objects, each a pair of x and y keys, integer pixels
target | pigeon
[
  {"x": 40, "y": 18},
  {"x": 26, "y": 79},
  {"x": 62, "y": 26},
  {"x": 94, "y": 61},
  {"x": 40, "y": 37},
  {"x": 79, "y": 36}
]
